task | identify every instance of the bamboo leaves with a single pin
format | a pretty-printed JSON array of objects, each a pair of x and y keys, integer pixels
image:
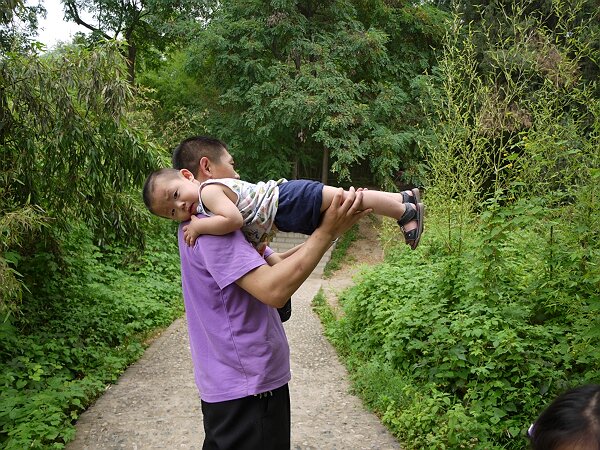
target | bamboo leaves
[{"x": 70, "y": 147}]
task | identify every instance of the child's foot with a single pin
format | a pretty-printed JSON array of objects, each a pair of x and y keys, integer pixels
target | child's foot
[
  {"x": 411, "y": 224},
  {"x": 411, "y": 196}
]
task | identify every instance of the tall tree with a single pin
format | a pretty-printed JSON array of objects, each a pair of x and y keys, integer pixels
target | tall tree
[
  {"x": 18, "y": 24},
  {"x": 140, "y": 23},
  {"x": 287, "y": 83}
]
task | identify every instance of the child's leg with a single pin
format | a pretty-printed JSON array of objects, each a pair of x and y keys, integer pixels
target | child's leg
[
  {"x": 408, "y": 215},
  {"x": 388, "y": 204}
]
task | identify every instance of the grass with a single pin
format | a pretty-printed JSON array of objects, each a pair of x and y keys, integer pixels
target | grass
[{"x": 339, "y": 252}]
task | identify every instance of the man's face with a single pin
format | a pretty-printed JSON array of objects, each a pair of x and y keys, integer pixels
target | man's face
[
  {"x": 176, "y": 198},
  {"x": 224, "y": 168}
]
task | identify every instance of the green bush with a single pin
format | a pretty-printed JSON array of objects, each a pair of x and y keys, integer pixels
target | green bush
[
  {"x": 464, "y": 350},
  {"x": 463, "y": 342},
  {"x": 79, "y": 329},
  {"x": 339, "y": 252}
]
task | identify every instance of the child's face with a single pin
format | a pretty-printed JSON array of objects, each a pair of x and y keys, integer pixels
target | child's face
[
  {"x": 177, "y": 198},
  {"x": 224, "y": 168}
]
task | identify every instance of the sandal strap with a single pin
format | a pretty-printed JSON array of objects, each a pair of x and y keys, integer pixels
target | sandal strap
[
  {"x": 409, "y": 214},
  {"x": 411, "y": 196},
  {"x": 411, "y": 235}
]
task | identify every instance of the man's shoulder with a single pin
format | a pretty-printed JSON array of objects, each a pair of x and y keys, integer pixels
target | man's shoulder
[
  {"x": 227, "y": 182},
  {"x": 219, "y": 244},
  {"x": 224, "y": 259}
]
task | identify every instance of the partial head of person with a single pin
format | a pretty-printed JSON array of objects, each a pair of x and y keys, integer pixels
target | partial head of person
[
  {"x": 571, "y": 422},
  {"x": 172, "y": 194},
  {"x": 205, "y": 157}
]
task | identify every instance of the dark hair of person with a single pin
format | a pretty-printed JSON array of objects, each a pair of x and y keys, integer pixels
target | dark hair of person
[
  {"x": 571, "y": 422},
  {"x": 189, "y": 152},
  {"x": 150, "y": 185}
]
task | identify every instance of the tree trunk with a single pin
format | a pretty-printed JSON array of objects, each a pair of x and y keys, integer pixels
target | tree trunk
[
  {"x": 295, "y": 168},
  {"x": 131, "y": 54},
  {"x": 325, "y": 166}
]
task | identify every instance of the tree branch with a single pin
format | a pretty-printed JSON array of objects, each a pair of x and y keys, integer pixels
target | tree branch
[{"x": 74, "y": 13}]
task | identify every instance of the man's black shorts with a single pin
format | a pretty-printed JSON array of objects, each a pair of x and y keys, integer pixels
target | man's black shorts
[{"x": 257, "y": 422}]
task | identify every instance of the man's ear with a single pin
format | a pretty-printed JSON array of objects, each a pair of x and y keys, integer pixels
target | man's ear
[
  {"x": 204, "y": 168},
  {"x": 187, "y": 174}
]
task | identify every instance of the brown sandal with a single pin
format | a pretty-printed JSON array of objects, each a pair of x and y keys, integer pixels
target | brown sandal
[{"x": 413, "y": 212}]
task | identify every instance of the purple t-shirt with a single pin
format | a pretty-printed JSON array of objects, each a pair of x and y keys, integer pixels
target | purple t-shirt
[{"x": 238, "y": 344}]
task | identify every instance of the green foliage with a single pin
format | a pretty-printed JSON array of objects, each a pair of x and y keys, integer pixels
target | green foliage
[
  {"x": 67, "y": 143},
  {"x": 85, "y": 324},
  {"x": 498, "y": 310},
  {"x": 143, "y": 27},
  {"x": 523, "y": 120},
  {"x": 18, "y": 24},
  {"x": 7, "y": 10},
  {"x": 284, "y": 84},
  {"x": 71, "y": 149},
  {"x": 179, "y": 109},
  {"x": 563, "y": 19},
  {"x": 339, "y": 252},
  {"x": 478, "y": 343},
  {"x": 320, "y": 306}
]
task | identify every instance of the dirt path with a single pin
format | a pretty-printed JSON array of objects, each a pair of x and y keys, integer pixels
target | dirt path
[
  {"x": 155, "y": 404},
  {"x": 364, "y": 252}
]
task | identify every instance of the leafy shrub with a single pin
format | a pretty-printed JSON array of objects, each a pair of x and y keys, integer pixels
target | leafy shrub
[
  {"x": 464, "y": 350},
  {"x": 79, "y": 330},
  {"x": 339, "y": 252}
]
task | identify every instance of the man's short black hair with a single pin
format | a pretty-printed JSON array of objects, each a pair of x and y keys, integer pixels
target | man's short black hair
[{"x": 188, "y": 153}]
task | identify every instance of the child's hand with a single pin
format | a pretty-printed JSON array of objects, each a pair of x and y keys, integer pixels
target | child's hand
[{"x": 189, "y": 231}]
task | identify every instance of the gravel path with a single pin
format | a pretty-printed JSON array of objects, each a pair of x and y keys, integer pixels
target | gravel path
[{"x": 155, "y": 404}]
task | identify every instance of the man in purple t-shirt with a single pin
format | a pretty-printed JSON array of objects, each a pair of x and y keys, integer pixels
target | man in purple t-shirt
[{"x": 239, "y": 347}]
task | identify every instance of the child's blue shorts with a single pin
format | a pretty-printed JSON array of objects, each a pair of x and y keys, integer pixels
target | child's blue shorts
[{"x": 299, "y": 208}]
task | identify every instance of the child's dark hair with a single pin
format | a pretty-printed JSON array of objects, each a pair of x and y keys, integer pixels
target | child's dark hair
[
  {"x": 150, "y": 185},
  {"x": 189, "y": 152},
  {"x": 572, "y": 421}
]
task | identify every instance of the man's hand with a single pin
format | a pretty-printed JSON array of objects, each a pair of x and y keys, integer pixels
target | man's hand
[{"x": 343, "y": 212}]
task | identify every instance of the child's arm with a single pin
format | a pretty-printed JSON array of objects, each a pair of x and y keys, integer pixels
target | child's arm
[
  {"x": 219, "y": 200},
  {"x": 274, "y": 258}
]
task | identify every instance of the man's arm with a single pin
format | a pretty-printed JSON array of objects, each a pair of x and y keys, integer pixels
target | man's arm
[
  {"x": 275, "y": 258},
  {"x": 274, "y": 285}
]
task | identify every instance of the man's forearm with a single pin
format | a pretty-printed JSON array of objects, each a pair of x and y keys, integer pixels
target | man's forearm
[{"x": 274, "y": 285}]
